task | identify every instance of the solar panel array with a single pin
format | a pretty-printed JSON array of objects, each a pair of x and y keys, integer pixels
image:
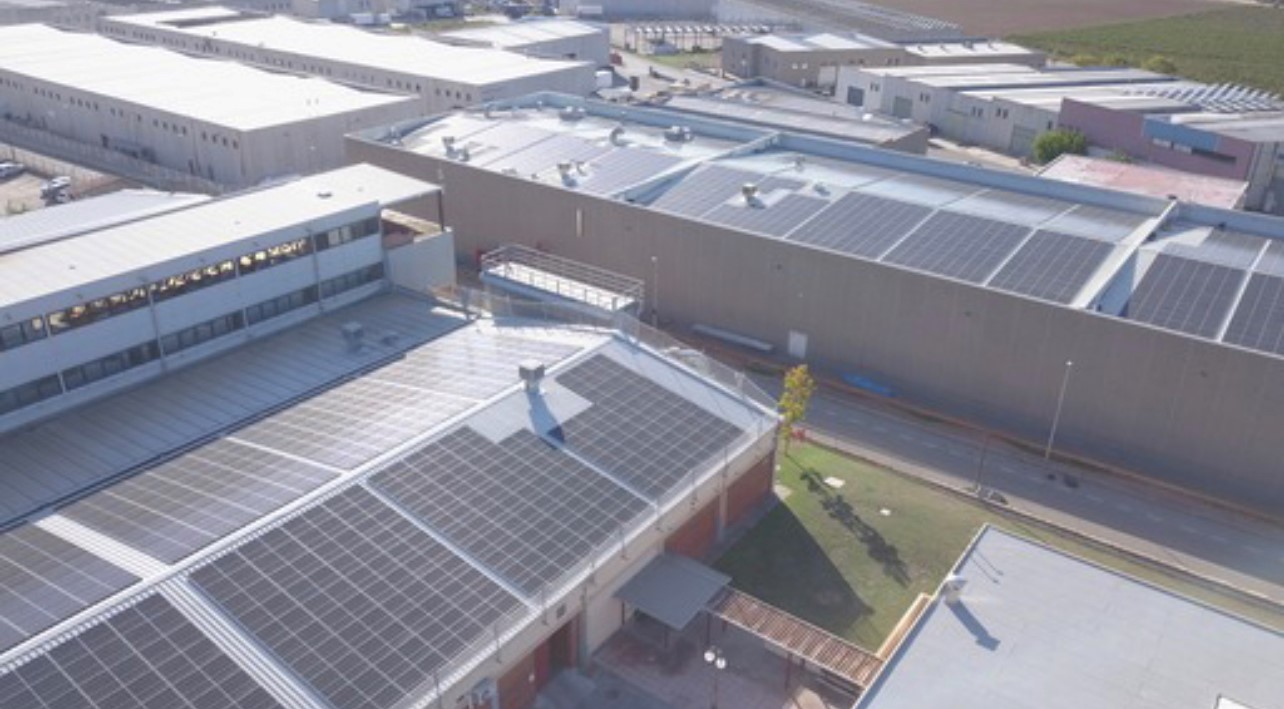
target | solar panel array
[
  {"x": 777, "y": 219},
  {"x": 643, "y": 433},
  {"x": 148, "y": 656},
  {"x": 861, "y": 225},
  {"x": 355, "y": 599},
  {"x": 958, "y": 245},
  {"x": 524, "y": 509},
  {"x": 1259, "y": 320},
  {"x": 624, "y": 168},
  {"x": 1051, "y": 266},
  {"x": 469, "y": 364},
  {"x": 1272, "y": 261},
  {"x": 180, "y": 506},
  {"x": 547, "y": 154},
  {"x": 1186, "y": 295},
  {"x": 708, "y": 186},
  {"x": 44, "y": 580}
]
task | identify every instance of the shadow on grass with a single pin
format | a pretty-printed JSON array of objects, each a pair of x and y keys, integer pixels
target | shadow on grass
[
  {"x": 841, "y": 511},
  {"x": 780, "y": 563}
]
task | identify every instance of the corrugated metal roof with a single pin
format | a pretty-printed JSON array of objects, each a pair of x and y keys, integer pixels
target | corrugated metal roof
[
  {"x": 30, "y": 228},
  {"x": 522, "y": 34}
]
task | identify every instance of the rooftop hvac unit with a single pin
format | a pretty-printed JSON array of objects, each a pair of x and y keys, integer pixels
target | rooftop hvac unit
[
  {"x": 678, "y": 134},
  {"x": 353, "y": 333},
  {"x": 952, "y": 588}
]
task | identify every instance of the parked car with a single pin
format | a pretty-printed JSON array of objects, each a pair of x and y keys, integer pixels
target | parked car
[
  {"x": 10, "y": 169},
  {"x": 54, "y": 186}
]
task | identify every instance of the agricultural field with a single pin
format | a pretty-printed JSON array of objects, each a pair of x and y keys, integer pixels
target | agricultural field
[{"x": 1242, "y": 45}]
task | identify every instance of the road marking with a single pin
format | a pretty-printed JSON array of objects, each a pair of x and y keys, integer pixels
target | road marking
[
  {"x": 1094, "y": 498},
  {"x": 929, "y": 444},
  {"x": 1122, "y": 507},
  {"x": 1188, "y": 529},
  {"x": 1252, "y": 549},
  {"x": 1217, "y": 538},
  {"x": 1154, "y": 517},
  {"x": 1007, "y": 470},
  {"x": 880, "y": 429}
]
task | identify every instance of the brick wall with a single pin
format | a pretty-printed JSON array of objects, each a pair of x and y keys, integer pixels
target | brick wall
[
  {"x": 696, "y": 537},
  {"x": 752, "y": 489}
]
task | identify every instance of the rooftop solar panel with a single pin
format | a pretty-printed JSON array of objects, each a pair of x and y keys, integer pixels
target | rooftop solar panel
[
  {"x": 621, "y": 169},
  {"x": 469, "y": 364},
  {"x": 353, "y": 423},
  {"x": 1052, "y": 266},
  {"x": 44, "y": 580},
  {"x": 526, "y": 510},
  {"x": 355, "y": 599},
  {"x": 1097, "y": 223},
  {"x": 637, "y": 430},
  {"x": 862, "y": 225},
  {"x": 1259, "y": 320},
  {"x": 502, "y": 139},
  {"x": 958, "y": 245},
  {"x": 777, "y": 219},
  {"x": 147, "y": 656},
  {"x": 1272, "y": 260},
  {"x": 547, "y": 154},
  {"x": 1184, "y": 294},
  {"x": 180, "y": 506},
  {"x": 704, "y": 189}
]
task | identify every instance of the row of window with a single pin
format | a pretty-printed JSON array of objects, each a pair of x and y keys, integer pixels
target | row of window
[
  {"x": 21, "y": 333},
  {"x": 183, "y": 283},
  {"x": 84, "y": 374}
]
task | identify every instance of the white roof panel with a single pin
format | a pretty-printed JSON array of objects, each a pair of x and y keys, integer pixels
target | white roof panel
[{"x": 30, "y": 228}]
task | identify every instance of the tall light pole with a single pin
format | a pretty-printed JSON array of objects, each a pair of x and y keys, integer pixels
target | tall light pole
[
  {"x": 655, "y": 291},
  {"x": 1056, "y": 417},
  {"x": 714, "y": 657}
]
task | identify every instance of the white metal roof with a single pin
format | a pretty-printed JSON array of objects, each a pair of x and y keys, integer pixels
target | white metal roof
[
  {"x": 385, "y": 52},
  {"x": 822, "y": 41},
  {"x": 522, "y": 34},
  {"x": 60, "y": 265},
  {"x": 221, "y": 93},
  {"x": 937, "y": 50},
  {"x": 28, "y": 229}
]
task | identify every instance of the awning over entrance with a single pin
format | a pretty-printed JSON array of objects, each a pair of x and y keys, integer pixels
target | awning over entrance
[{"x": 673, "y": 589}]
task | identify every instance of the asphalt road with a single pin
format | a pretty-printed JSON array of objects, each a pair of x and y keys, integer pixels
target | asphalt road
[{"x": 1206, "y": 539}]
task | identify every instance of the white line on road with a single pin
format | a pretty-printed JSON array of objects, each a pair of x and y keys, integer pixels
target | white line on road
[
  {"x": 1094, "y": 498},
  {"x": 1006, "y": 469},
  {"x": 1188, "y": 529},
  {"x": 1217, "y": 538}
]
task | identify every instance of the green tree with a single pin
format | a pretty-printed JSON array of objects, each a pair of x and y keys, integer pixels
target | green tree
[
  {"x": 1085, "y": 60},
  {"x": 799, "y": 387},
  {"x": 1055, "y": 143},
  {"x": 1116, "y": 60},
  {"x": 1160, "y": 65}
]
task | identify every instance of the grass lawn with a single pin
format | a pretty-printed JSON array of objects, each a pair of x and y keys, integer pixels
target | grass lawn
[
  {"x": 832, "y": 558},
  {"x": 1243, "y": 45}
]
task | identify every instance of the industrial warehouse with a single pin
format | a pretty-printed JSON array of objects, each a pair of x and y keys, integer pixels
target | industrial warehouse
[
  {"x": 973, "y": 291},
  {"x": 217, "y": 120},
  {"x": 387, "y": 501}
]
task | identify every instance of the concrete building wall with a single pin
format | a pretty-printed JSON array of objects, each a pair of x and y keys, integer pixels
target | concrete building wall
[
  {"x": 811, "y": 69},
  {"x": 1186, "y": 411}
]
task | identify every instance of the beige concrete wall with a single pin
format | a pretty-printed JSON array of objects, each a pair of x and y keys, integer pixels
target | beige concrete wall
[{"x": 1189, "y": 412}]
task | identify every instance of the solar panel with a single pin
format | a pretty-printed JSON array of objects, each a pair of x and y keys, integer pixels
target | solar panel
[
  {"x": 704, "y": 189},
  {"x": 1184, "y": 294},
  {"x": 547, "y": 154},
  {"x": 861, "y": 225},
  {"x": 1272, "y": 260},
  {"x": 147, "y": 656},
  {"x": 180, "y": 506},
  {"x": 637, "y": 430},
  {"x": 1051, "y": 266},
  {"x": 958, "y": 245},
  {"x": 493, "y": 144},
  {"x": 523, "y": 508},
  {"x": 620, "y": 169},
  {"x": 351, "y": 424},
  {"x": 45, "y": 579},
  {"x": 774, "y": 220},
  {"x": 355, "y": 599},
  {"x": 1097, "y": 223},
  {"x": 1259, "y": 319},
  {"x": 469, "y": 364}
]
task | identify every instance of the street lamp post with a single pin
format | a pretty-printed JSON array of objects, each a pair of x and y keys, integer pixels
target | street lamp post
[
  {"x": 655, "y": 291},
  {"x": 1056, "y": 417},
  {"x": 714, "y": 657}
]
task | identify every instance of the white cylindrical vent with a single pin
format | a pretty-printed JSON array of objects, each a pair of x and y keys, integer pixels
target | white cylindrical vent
[{"x": 532, "y": 373}]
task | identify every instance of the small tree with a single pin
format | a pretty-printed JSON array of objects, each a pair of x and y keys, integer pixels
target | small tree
[
  {"x": 1116, "y": 60},
  {"x": 1085, "y": 60},
  {"x": 1055, "y": 143},
  {"x": 1160, "y": 65},
  {"x": 799, "y": 387}
]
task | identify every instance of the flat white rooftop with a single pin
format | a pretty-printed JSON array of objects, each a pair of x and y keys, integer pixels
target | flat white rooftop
[
  {"x": 42, "y": 225},
  {"x": 978, "y": 50},
  {"x": 60, "y": 265},
  {"x": 1036, "y": 628},
  {"x": 385, "y": 52},
  {"x": 521, "y": 34},
  {"x": 221, "y": 93},
  {"x": 824, "y": 41}
]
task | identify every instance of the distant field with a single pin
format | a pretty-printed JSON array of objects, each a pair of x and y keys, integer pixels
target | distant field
[
  {"x": 1243, "y": 45},
  {"x": 998, "y": 18}
]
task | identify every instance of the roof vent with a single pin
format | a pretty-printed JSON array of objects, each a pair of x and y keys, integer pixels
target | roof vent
[
  {"x": 566, "y": 169},
  {"x": 532, "y": 373},
  {"x": 617, "y": 135},
  {"x": 750, "y": 192},
  {"x": 353, "y": 333},
  {"x": 952, "y": 588},
  {"x": 448, "y": 142},
  {"x": 571, "y": 113},
  {"x": 678, "y": 134}
]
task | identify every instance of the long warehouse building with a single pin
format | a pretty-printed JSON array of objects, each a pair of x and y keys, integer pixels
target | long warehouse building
[
  {"x": 444, "y": 76},
  {"x": 217, "y": 120},
  {"x": 957, "y": 287}
]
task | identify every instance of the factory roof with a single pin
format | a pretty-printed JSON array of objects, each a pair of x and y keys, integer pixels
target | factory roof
[
  {"x": 429, "y": 507},
  {"x": 22, "y": 231},
  {"x": 1265, "y": 127},
  {"x": 518, "y": 35},
  {"x": 386, "y": 52},
  {"x": 147, "y": 244},
  {"x": 1147, "y": 180},
  {"x": 220, "y": 93},
  {"x": 1034, "y": 627},
  {"x": 963, "y": 49},
  {"x": 825, "y": 41},
  {"x": 1034, "y": 78}
]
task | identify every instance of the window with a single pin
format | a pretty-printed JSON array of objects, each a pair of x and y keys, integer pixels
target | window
[
  {"x": 109, "y": 366},
  {"x": 95, "y": 310},
  {"x": 193, "y": 280},
  {"x": 346, "y": 233},
  {"x": 353, "y": 279},
  {"x": 29, "y": 393},
  {"x": 276, "y": 255},
  {"x": 280, "y": 305},
  {"x": 201, "y": 333},
  {"x": 21, "y": 333}
]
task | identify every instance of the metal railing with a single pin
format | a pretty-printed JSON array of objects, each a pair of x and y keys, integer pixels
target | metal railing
[{"x": 566, "y": 278}]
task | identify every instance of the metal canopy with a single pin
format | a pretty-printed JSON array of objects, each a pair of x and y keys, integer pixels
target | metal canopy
[{"x": 673, "y": 589}]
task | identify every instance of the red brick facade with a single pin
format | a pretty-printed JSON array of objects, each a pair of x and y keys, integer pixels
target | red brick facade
[
  {"x": 751, "y": 490},
  {"x": 696, "y": 537}
]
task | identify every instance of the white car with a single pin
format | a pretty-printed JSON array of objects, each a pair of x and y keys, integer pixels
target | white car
[
  {"x": 54, "y": 186},
  {"x": 11, "y": 169}
]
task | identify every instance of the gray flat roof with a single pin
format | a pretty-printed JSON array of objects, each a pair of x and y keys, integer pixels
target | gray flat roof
[
  {"x": 1038, "y": 629},
  {"x": 215, "y": 91},
  {"x": 515, "y": 35},
  {"x": 30, "y": 228},
  {"x": 60, "y": 265}
]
